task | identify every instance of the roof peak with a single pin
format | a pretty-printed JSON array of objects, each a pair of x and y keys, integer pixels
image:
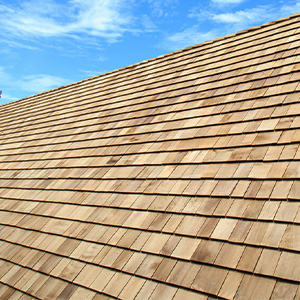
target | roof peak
[{"x": 154, "y": 59}]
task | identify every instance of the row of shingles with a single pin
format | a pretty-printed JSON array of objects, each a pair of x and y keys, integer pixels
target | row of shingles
[
  {"x": 275, "y": 188},
  {"x": 202, "y": 207},
  {"x": 86, "y": 166},
  {"x": 266, "y": 153},
  {"x": 136, "y": 217},
  {"x": 167, "y": 165},
  {"x": 251, "y": 168},
  {"x": 9, "y": 292},
  {"x": 81, "y": 130},
  {"x": 182, "y": 251},
  {"x": 209, "y": 187},
  {"x": 235, "y": 208},
  {"x": 105, "y": 278},
  {"x": 60, "y": 267},
  {"x": 42, "y": 262},
  {"x": 231, "y": 125},
  {"x": 206, "y": 214},
  {"x": 277, "y": 210},
  {"x": 90, "y": 128},
  {"x": 233, "y": 122},
  {"x": 258, "y": 189},
  {"x": 126, "y": 71},
  {"x": 242, "y": 170},
  {"x": 117, "y": 279},
  {"x": 65, "y": 139},
  {"x": 135, "y": 283},
  {"x": 32, "y": 278},
  {"x": 240, "y": 186},
  {"x": 78, "y": 164}
]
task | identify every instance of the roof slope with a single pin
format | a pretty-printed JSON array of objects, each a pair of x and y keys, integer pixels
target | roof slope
[{"x": 175, "y": 178}]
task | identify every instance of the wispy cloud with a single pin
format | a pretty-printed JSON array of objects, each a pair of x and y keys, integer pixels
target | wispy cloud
[
  {"x": 162, "y": 8},
  {"x": 5, "y": 77},
  {"x": 226, "y": 2},
  {"x": 290, "y": 8},
  {"x": 92, "y": 73},
  {"x": 223, "y": 20},
  {"x": 7, "y": 97},
  {"x": 29, "y": 84},
  {"x": 108, "y": 19},
  {"x": 188, "y": 37},
  {"x": 242, "y": 19},
  {"x": 40, "y": 82},
  {"x": 14, "y": 44}
]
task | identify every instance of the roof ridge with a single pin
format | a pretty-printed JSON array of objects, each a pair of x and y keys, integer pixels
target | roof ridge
[{"x": 253, "y": 28}]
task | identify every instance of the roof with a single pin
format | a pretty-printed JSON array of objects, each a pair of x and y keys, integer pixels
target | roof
[{"x": 175, "y": 178}]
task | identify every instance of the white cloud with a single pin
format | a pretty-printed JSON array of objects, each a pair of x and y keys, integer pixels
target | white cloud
[
  {"x": 162, "y": 8},
  {"x": 29, "y": 84},
  {"x": 235, "y": 20},
  {"x": 92, "y": 73},
  {"x": 30, "y": 20},
  {"x": 147, "y": 23},
  {"x": 40, "y": 82},
  {"x": 46, "y": 18},
  {"x": 14, "y": 44},
  {"x": 243, "y": 19},
  {"x": 6, "y": 79},
  {"x": 289, "y": 9},
  {"x": 188, "y": 37},
  {"x": 225, "y": 2},
  {"x": 6, "y": 97},
  {"x": 4, "y": 76},
  {"x": 223, "y": 23},
  {"x": 248, "y": 16}
]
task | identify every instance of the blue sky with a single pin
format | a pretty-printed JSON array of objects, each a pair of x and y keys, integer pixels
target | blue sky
[{"x": 50, "y": 43}]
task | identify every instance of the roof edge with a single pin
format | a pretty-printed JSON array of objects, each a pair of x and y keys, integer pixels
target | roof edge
[{"x": 253, "y": 28}]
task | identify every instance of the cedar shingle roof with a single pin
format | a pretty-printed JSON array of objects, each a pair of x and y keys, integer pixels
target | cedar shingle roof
[{"x": 175, "y": 178}]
